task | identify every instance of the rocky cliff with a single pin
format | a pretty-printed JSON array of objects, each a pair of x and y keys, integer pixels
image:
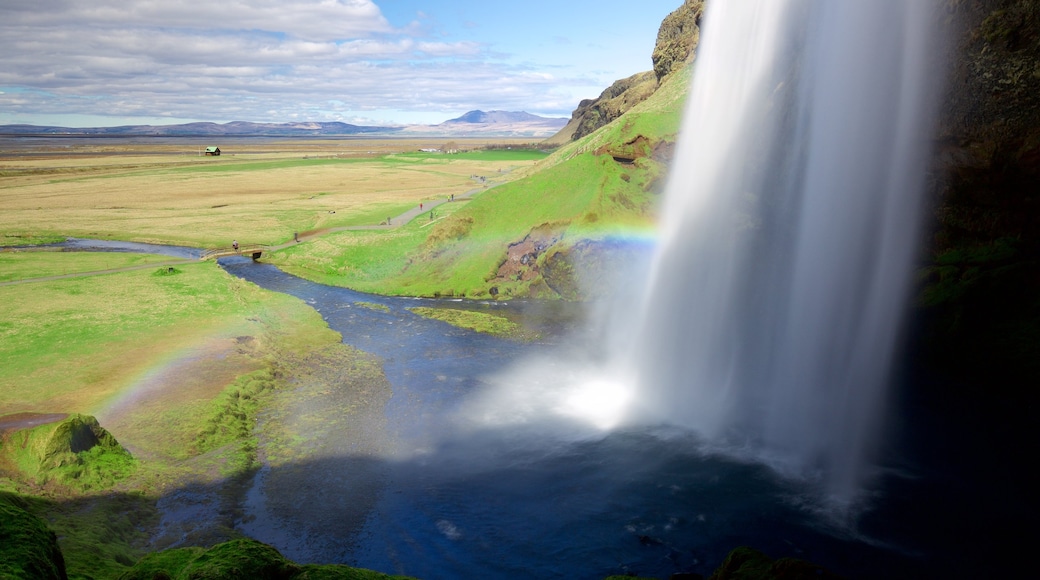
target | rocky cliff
[
  {"x": 981, "y": 297},
  {"x": 676, "y": 45}
]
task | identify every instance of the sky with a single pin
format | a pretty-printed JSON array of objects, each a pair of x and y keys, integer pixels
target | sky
[{"x": 77, "y": 63}]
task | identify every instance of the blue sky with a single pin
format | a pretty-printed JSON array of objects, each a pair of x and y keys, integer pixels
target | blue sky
[{"x": 109, "y": 62}]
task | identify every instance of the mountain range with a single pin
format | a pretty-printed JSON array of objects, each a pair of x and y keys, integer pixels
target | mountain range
[{"x": 500, "y": 123}]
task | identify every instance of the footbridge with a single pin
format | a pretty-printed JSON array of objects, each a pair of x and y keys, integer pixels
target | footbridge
[{"x": 255, "y": 251}]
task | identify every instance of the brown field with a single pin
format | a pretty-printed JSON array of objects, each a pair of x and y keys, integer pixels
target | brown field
[{"x": 258, "y": 191}]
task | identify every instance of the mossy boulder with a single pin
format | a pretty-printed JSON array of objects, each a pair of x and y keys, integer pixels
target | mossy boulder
[
  {"x": 242, "y": 559},
  {"x": 238, "y": 559},
  {"x": 28, "y": 548},
  {"x": 75, "y": 451},
  {"x": 745, "y": 563}
]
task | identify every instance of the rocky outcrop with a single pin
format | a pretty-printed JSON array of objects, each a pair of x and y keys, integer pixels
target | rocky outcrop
[
  {"x": 677, "y": 38},
  {"x": 676, "y": 45},
  {"x": 982, "y": 290},
  {"x": 619, "y": 97}
]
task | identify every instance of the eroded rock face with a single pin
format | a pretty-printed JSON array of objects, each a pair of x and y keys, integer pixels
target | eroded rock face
[
  {"x": 989, "y": 149},
  {"x": 621, "y": 96},
  {"x": 677, "y": 38},
  {"x": 676, "y": 45},
  {"x": 522, "y": 257},
  {"x": 981, "y": 295}
]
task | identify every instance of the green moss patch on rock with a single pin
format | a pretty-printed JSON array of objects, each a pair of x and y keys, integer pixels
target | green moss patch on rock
[
  {"x": 478, "y": 321},
  {"x": 745, "y": 563},
  {"x": 28, "y": 548},
  {"x": 75, "y": 452},
  {"x": 242, "y": 559}
]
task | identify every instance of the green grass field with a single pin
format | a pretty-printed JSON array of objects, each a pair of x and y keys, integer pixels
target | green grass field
[
  {"x": 261, "y": 197},
  {"x": 25, "y": 265}
]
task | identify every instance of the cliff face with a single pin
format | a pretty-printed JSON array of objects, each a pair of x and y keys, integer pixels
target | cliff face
[
  {"x": 676, "y": 45},
  {"x": 981, "y": 296},
  {"x": 677, "y": 38}
]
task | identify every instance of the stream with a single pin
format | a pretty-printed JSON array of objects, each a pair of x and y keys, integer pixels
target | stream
[{"x": 484, "y": 470}]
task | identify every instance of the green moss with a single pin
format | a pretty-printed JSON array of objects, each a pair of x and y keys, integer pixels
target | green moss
[
  {"x": 478, "y": 321},
  {"x": 981, "y": 307},
  {"x": 167, "y": 271},
  {"x": 233, "y": 416},
  {"x": 744, "y": 563},
  {"x": 75, "y": 452},
  {"x": 243, "y": 559},
  {"x": 28, "y": 548},
  {"x": 102, "y": 536},
  {"x": 162, "y": 565}
]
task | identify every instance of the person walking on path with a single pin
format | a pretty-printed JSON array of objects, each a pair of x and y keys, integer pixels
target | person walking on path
[
  {"x": 420, "y": 206},
  {"x": 234, "y": 244}
]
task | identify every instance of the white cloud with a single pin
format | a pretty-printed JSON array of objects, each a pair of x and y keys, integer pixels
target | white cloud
[
  {"x": 257, "y": 60},
  {"x": 309, "y": 19}
]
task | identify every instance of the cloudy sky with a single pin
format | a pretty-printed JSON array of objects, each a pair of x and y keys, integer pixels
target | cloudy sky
[{"x": 110, "y": 62}]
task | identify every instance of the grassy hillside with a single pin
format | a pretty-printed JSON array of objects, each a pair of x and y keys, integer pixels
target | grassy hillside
[{"x": 603, "y": 186}]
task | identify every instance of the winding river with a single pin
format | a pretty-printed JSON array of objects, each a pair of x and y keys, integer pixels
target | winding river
[{"x": 486, "y": 472}]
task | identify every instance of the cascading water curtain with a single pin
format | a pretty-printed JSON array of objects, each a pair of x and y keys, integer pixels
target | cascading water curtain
[{"x": 789, "y": 229}]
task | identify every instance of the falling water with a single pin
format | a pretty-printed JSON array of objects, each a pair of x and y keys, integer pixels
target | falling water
[{"x": 789, "y": 228}]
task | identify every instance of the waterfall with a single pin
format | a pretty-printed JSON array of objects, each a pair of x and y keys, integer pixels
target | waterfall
[{"x": 789, "y": 228}]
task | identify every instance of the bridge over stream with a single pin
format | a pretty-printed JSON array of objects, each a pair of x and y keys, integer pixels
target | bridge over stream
[{"x": 254, "y": 250}]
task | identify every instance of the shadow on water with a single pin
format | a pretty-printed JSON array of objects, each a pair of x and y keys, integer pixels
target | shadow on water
[
  {"x": 439, "y": 493},
  {"x": 550, "y": 497}
]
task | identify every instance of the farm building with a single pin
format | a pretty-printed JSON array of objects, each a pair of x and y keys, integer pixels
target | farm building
[{"x": 212, "y": 150}]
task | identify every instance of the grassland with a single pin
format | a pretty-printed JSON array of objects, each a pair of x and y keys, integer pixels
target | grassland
[
  {"x": 259, "y": 192},
  {"x": 166, "y": 360},
  {"x": 27, "y": 265}
]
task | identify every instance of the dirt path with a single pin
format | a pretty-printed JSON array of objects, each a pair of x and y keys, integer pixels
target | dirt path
[
  {"x": 395, "y": 222},
  {"x": 19, "y": 421}
]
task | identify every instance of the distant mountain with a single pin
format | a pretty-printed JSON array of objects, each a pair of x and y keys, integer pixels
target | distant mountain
[
  {"x": 498, "y": 123},
  {"x": 504, "y": 117},
  {"x": 234, "y": 128}
]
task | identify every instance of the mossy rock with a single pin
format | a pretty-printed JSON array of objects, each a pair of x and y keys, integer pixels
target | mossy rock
[
  {"x": 238, "y": 559},
  {"x": 76, "y": 452},
  {"x": 28, "y": 548},
  {"x": 745, "y": 563},
  {"x": 243, "y": 559}
]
